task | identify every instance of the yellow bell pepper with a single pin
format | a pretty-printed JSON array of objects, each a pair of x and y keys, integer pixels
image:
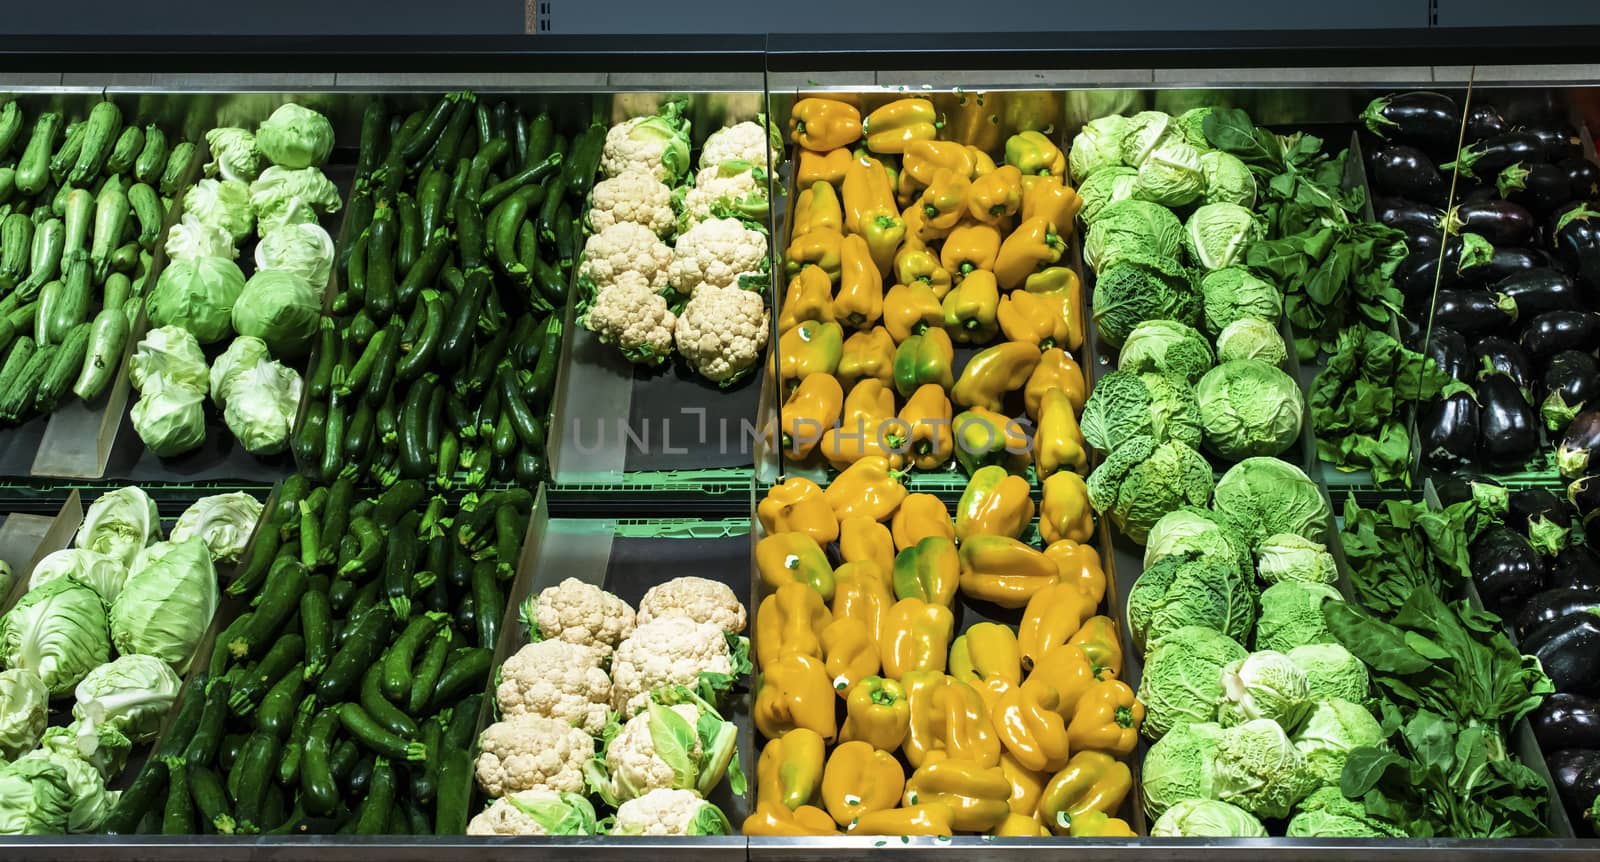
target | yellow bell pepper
[
  {"x": 777, "y": 820},
  {"x": 968, "y": 732},
  {"x": 877, "y": 713},
  {"x": 944, "y": 201},
  {"x": 1033, "y": 153},
  {"x": 1056, "y": 370},
  {"x": 860, "y": 593},
  {"x": 1078, "y": 564},
  {"x": 918, "y": 232},
  {"x": 1004, "y": 571},
  {"x": 1091, "y": 781},
  {"x": 1052, "y": 617},
  {"x": 990, "y": 375},
  {"x": 796, "y": 505},
  {"x": 1064, "y": 510},
  {"x": 859, "y": 302},
  {"x": 996, "y": 195},
  {"x": 985, "y": 437},
  {"x": 910, "y": 309},
  {"x": 866, "y": 190},
  {"x": 916, "y": 265},
  {"x": 891, "y": 128},
  {"x": 814, "y": 167},
  {"x": 1051, "y": 200},
  {"x": 810, "y": 412},
  {"x": 783, "y": 558},
  {"x": 795, "y": 692},
  {"x": 1058, "y": 443},
  {"x": 869, "y": 487},
  {"x": 1098, "y": 824},
  {"x": 925, "y": 820},
  {"x": 982, "y": 163},
  {"x": 916, "y": 636},
  {"x": 989, "y": 690},
  {"x": 969, "y": 247},
  {"x": 868, "y": 355},
  {"x": 859, "y": 780},
  {"x": 884, "y": 230},
  {"x": 1032, "y": 318},
  {"x": 817, "y": 208},
  {"x": 927, "y": 424},
  {"x": 1031, "y": 247},
  {"x": 789, "y": 771},
  {"x": 808, "y": 297},
  {"x": 971, "y": 308},
  {"x": 1107, "y": 719},
  {"x": 821, "y": 125},
  {"x": 906, "y": 188},
  {"x": 995, "y": 503},
  {"x": 923, "y": 359},
  {"x": 867, "y": 427},
  {"x": 929, "y": 571},
  {"x": 1053, "y": 279},
  {"x": 1070, "y": 673},
  {"x": 1020, "y": 826},
  {"x": 809, "y": 348},
  {"x": 1064, "y": 307},
  {"x": 1031, "y": 729},
  {"x": 1099, "y": 640},
  {"x": 863, "y": 540},
  {"x": 924, "y": 739},
  {"x": 976, "y": 794},
  {"x": 1026, "y": 785},
  {"x": 921, "y": 516},
  {"x": 849, "y": 653},
  {"x": 987, "y": 651},
  {"x": 924, "y": 159},
  {"x": 820, "y": 248},
  {"x": 790, "y": 620}
]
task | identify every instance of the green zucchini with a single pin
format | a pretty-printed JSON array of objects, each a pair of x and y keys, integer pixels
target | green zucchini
[
  {"x": 152, "y": 158},
  {"x": 67, "y": 154},
  {"x": 10, "y": 125},
  {"x": 383, "y": 711},
  {"x": 129, "y": 144},
  {"x": 108, "y": 339},
  {"x": 282, "y": 659},
  {"x": 276, "y": 714},
  {"x": 99, "y": 136},
  {"x": 110, "y": 217},
  {"x": 63, "y": 368},
  {"x": 147, "y": 210},
  {"x": 33, "y": 169},
  {"x": 365, "y": 641},
  {"x": 369, "y": 734},
  {"x": 44, "y": 258},
  {"x": 176, "y": 173}
]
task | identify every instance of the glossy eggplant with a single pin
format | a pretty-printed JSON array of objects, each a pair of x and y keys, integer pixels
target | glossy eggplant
[
  {"x": 1407, "y": 172},
  {"x": 1571, "y": 382},
  {"x": 1429, "y": 120},
  {"x": 1448, "y": 349},
  {"x": 1576, "y": 568},
  {"x": 1539, "y": 290},
  {"x": 1584, "y": 178},
  {"x": 1495, "y": 354},
  {"x": 1545, "y": 335},
  {"x": 1490, "y": 495},
  {"x": 1508, "y": 431},
  {"x": 1584, "y": 495},
  {"x": 1566, "y": 649},
  {"x": 1539, "y": 187},
  {"x": 1502, "y": 264},
  {"x": 1488, "y": 157},
  {"x": 1526, "y": 506},
  {"x": 1501, "y": 222},
  {"x": 1575, "y": 234},
  {"x": 1449, "y": 431},
  {"x": 1580, "y": 445},
  {"x": 1474, "y": 312},
  {"x": 1567, "y": 721},
  {"x": 1484, "y": 121},
  {"x": 1575, "y": 772},
  {"x": 1560, "y": 142},
  {"x": 1505, "y": 568},
  {"x": 1409, "y": 216},
  {"x": 1552, "y": 605}
]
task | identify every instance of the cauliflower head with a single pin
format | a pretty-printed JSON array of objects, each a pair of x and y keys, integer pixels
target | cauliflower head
[
  {"x": 732, "y": 189},
  {"x": 635, "y": 197},
  {"x": 756, "y": 142},
  {"x": 556, "y": 679},
  {"x": 662, "y": 652},
  {"x": 722, "y": 333},
  {"x": 632, "y": 761},
  {"x": 578, "y": 612},
  {"x": 625, "y": 247},
  {"x": 536, "y": 812},
  {"x": 720, "y": 252},
  {"x": 635, "y": 319},
  {"x": 700, "y": 599},
  {"x": 670, "y": 812},
  {"x": 657, "y": 145},
  {"x": 528, "y": 752}
]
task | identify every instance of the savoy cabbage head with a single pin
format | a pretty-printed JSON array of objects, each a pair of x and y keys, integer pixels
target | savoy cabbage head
[
  {"x": 1333, "y": 729},
  {"x": 1142, "y": 480},
  {"x": 1333, "y": 671},
  {"x": 1227, "y": 179},
  {"x": 1135, "y": 290},
  {"x": 1326, "y": 813},
  {"x": 1104, "y": 188},
  {"x": 1234, "y": 293},
  {"x": 1264, "y": 684},
  {"x": 1182, "y": 591},
  {"x": 1288, "y": 557},
  {"x": 1251, "y": 338},
  {"x": 1198, "y": 532},
  {"x": 1182, "y": 678},
  {"x": 1262, "y": 497},
  {"x": 1132, "y": 229},
  {"x": 1097, "y": 147},
  {"x": 1144, "y": 133},
  {"x": 1249, "y": 408},
  {"x": 1171, "y": 175},
  {"x": 1216, "y": 235},
  {"x": 1167, "y": 347},
  {"x": 1178, "y": 766},
  {"x": 1259, "y": 770},
  {"x": 1291, "y": 615},
  {"x": 1124, "y": 405},
  {"x": 1207, "y": 818}
]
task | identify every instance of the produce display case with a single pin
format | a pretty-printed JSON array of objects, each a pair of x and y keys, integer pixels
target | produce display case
[{"x": 632, "y": 513}]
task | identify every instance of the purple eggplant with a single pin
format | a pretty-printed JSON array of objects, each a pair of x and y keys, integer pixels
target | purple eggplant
[
  {"x": 1575, "y": 234},
  {"x": 1496, "y": 355},
  {"x": 1410, "y": 217},
  {"x": 1560, "y": 143},
  {"x": 1490, "y": 156},
  {"x": 1584, "y": 495},
  {"x": 1407, "y": 172},
  {"x": 1567, "y": 721},
  {"x": 1575, "y": 772},
  {"x": 1540, "y": 187},
  {"x": 1500, "y": 222},
  {"x": 1474, "y": 312},
  {"x": 1545, "y": 335},
  {"x": 1503, "y": 263},
  {"x": 1551, "y": 605},
  {"x": 1429, "y": 120},
  {"x": 1584, "y": 178},
  {"x": 1508, "y": 431},
  {"x": 1539, "y": 290},
  {"x": 1449, "y": 431},
  {"x": 1571, "y": 382},
  {"x": 1579, "y": 445},
  {"x": 1505, "y": 568},
  {"x": 1576, "y": 568},
  {"x": 1490, "y": 495},
  {"x": 1525, "y": 507},
  {"x": 1484, "y": 121},
  {"x": 1566, "y": 649},
  {"x": 1448, "y": 349}
]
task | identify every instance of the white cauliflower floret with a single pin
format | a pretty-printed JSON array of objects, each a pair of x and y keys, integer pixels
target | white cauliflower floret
[
  {"x": 670, "y": 812},
  {"x": 722, "y": 332},
  {"x": 532, "y": 753},
  {"x": 579, "y": 612},
  {"x": 535, "y": 812},
  {"x": 657, "y": 145},
  {"x": 666, "y": 651},
  {"x": 733, "y": 184},
  {"x": 700, "y": 599},
  {"x": 716, "y": 253},
  {"x": 743, "y": 142},
  {"x": 634, "y": 766},
  {"x": 626, "y": 247},
  {"x": 632, "y": 196},
  {"x": 633, "y": 318},
  {"x": 556, "y": 679}
]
